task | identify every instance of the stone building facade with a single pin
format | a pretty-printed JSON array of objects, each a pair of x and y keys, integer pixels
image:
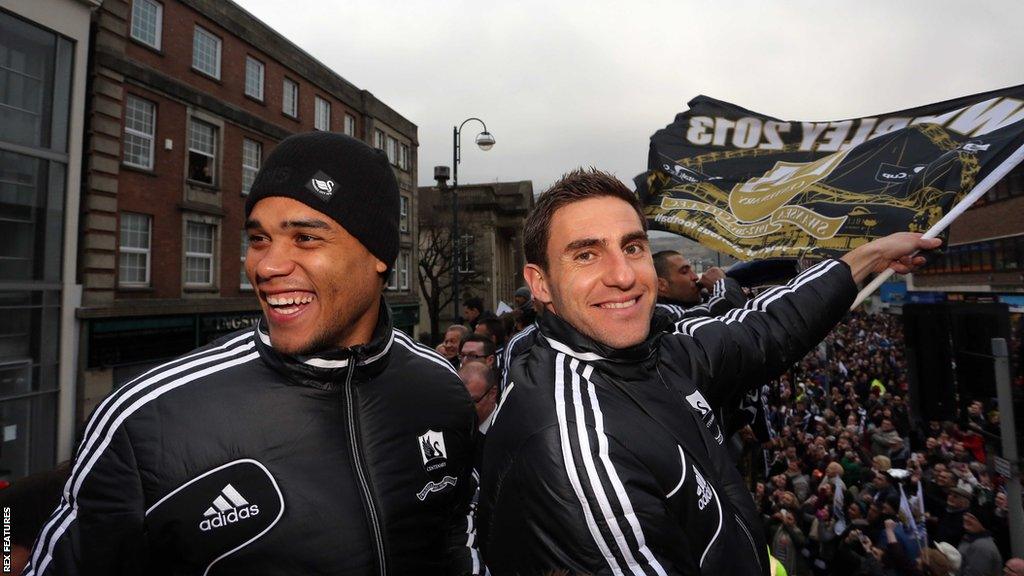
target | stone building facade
[
  {"x": 187, "y": 97},
  {"x": 491, "y": 220}
]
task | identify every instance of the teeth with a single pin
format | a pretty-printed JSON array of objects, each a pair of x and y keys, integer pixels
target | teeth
[
  {"x": 289, "y": 300},
  {"x": 617, "y": 305}
]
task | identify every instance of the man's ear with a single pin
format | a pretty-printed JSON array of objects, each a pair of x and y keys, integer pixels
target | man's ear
[
  {"x": 537, "y": 280},
  {"x": 380, "y": 266},
  {"x": 662, "y": 286}
]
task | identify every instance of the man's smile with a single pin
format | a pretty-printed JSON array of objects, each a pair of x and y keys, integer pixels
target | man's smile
[
  {"x": 619, "y": 304},
  {"x": 288, "y": 303}
]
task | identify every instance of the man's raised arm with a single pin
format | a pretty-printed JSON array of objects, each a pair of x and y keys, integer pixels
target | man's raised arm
[{"x": 758, "y": 341}]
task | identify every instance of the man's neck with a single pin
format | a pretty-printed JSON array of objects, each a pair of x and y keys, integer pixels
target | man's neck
[{"x": 362, "y": 330}]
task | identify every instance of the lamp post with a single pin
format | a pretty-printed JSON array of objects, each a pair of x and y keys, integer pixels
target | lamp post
[{"x": 485, "y": 141}]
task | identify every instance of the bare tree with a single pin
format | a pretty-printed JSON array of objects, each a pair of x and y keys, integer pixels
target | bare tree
[
  {"x": 434, "y": 272},
  {"x": 435, "y": 267}
]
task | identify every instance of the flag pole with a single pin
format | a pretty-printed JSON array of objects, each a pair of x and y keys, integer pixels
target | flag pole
[{"x": 986, "y": 183}]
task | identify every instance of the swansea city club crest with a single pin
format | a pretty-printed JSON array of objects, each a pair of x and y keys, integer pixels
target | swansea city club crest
[
  {"x": 435, "y": 459},
  {"x": 435, "y": 456}
]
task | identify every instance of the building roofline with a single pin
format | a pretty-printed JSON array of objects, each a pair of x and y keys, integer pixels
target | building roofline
[{"x": 235, "y": 19}]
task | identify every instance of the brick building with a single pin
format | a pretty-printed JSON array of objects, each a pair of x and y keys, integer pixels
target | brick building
[
  {"x": 984, "y": 259},
  {"x": 985, "y": 256},
  {"x": 187, "y": 97},
  {"x": 491, "y": 220}
]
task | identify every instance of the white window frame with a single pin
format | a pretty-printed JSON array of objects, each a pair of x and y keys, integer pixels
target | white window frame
[
  {"x": 135, "y": 133},
  {"x": 135, "y": 250},
  {"x": 403, "y": 156},
  {"x": 379, "y": 139},
  {"x": 249, "y": 170},
  {"x": 403, "y": 213},
  {"x": 211, "y": 156},
  {"x": 200, "y": 32},
  {"x": 465, "y": 255},
  {"x": 210, "y": 257},
  {"x": 321, "y": 114},
  {"x": 243, "y": 282},
  {"x": 285, "y": 85},
  {"x": 403, "y": 269},
  {"x": 158, "y": 25},
  {"x": 393, "y": 279},
  {"x": 261, "y": 68},
  {"x": 350, "y": 125},
  {"x": 392, "y": 150}
]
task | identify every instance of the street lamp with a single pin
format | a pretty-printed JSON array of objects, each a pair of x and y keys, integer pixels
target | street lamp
[{"x": 485, "y": 140}]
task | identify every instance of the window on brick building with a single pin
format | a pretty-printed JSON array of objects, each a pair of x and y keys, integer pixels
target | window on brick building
[
  {"x": 254, "y": 78},
  {"x": 379, "y": 139},
  {"x": 202, "y": 152},
  {"x": 199, "y": 243},
  {"x": 206, "y": 52},
  {"x": 290, "y": 98},
  {"x": 252, "y": 156},
  {"x": 392, "y": 151},
  {"x": 139, "y": 132},
  {"x": 1012, "y": 185},
  {"x": 403, "y": 156},
  {"x": 134, "y": 250},
  {"x": 243, "y": 280},
  {"x": 393, "y": 279},
  {"x": 403, "y": 213},
  {"x": 403, "y": 270},
  {"x": 322, "y": 114},
  {"x": 147, "y": 22},
  {"x": 350, "y": 125}
]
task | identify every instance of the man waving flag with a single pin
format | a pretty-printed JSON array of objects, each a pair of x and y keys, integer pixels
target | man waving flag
[{"x": 755, "y": 187}]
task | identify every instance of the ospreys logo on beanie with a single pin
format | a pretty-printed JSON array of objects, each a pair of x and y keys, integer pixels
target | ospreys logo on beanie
[{"x": 341, "y": 177}]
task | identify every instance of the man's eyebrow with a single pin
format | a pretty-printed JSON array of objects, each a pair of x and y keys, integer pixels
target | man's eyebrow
[
  {"x": 584, "y": 243},
  {"x": 306, "y": 223},
  {"x": 252, "y": 223},
  {"x": 634, "y": 236}
]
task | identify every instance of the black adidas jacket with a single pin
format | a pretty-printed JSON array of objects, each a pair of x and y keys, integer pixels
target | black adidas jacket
[
  {"x": 605, "y": 461},
  {"x": 235, "y": 459},
  {"x": 725, "y": 295}
]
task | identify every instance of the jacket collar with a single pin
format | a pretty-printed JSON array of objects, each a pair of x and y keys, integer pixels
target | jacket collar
[
  {"x": 562, "y": 337},
  {"x": 327, "y": 369},
  {"x": 672, "y": 302}
]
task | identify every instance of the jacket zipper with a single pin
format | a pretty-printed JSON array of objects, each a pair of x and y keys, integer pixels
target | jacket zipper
[
  {"x": 750, "y": 539},
  {"x": 357, "y": 459}
]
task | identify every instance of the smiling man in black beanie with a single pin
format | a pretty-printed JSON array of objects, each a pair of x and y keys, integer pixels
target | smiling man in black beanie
[{"x": 322, "y": 441}]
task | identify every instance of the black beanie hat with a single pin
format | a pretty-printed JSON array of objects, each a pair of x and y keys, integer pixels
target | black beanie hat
[{"x": 340, "y": 176}]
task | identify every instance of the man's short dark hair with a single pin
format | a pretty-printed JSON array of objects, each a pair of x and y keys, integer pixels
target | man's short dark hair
[
  {"x": 496, "y": 329},
  {"x": 488, "y": 344},
  {"x": 661, "y": 265},
  {"x": 575, "y": 186},
  {"x": 475, "y": 302}
]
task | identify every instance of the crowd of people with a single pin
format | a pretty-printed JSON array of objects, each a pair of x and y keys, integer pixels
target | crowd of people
[{"x": 846, "y": 484}]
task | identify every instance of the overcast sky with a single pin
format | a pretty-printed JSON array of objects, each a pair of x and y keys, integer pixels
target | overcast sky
[{"x": 565, "y": 84}]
